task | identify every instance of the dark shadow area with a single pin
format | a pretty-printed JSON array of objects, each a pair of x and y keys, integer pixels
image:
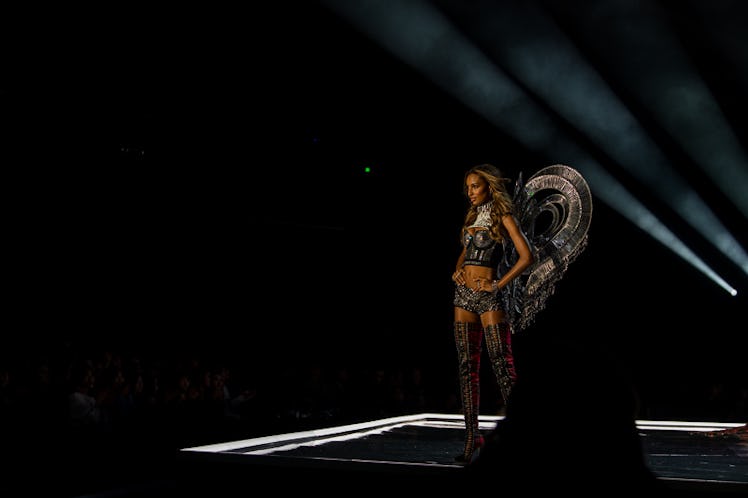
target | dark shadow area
[{"x": 574, "y": 399}]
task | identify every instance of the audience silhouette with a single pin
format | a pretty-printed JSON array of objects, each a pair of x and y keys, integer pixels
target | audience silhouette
[{"x": 570, "y": 424}]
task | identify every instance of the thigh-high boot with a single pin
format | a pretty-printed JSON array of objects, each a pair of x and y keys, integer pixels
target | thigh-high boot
[
  {"x": 499, "y": 345},
  {"x": 468, "y": 337}
]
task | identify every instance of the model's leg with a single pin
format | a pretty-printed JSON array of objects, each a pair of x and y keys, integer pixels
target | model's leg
[
  {"x": 468, "y": 337},
  {"x": 499, "y": 345}
]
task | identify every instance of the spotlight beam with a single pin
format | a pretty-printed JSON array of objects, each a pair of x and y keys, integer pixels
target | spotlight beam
[
  {"x": 675, "y": 93},
  {"x": 422, "y": 37},
  {"x": 568, "y": 84},
  {"x": 642, "y": 43}
]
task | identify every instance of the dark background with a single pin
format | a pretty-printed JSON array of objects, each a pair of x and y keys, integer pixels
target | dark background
[
  {"x": 189, "y": 182},
  {"x": 193, "y": 180}
]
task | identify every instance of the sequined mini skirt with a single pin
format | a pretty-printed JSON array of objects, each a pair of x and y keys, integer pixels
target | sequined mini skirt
[{"x": 477, "y": 301}]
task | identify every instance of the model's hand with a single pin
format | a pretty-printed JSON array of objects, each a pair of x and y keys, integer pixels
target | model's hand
[
  {"x": 459, "y": 277},
  {"x": 485, "y": 284}
]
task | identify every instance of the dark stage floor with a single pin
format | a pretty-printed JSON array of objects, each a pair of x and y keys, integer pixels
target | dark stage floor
[{"x": 684, "y": 456}]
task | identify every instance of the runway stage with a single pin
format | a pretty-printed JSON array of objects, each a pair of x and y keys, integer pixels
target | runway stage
[{"x": 419, "y": 449}]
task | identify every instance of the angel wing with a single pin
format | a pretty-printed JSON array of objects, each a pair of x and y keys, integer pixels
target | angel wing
[{"x": 554, "y": 210}]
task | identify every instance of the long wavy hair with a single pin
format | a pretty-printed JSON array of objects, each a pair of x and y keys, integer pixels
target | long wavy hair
[{"x": 502, "y": 201}]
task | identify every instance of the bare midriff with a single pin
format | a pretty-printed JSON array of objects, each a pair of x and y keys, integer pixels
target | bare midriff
[{"x": 474, "y": 273}]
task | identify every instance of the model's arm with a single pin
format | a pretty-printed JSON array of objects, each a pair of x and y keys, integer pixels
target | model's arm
[{"x": 525, "y": 257}]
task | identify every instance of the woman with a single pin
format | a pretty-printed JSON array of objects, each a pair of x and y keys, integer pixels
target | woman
[{"x": 489, "y": 225}]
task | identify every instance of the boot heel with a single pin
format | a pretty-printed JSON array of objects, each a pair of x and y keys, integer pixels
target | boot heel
[{"x": 470, "y": 454}]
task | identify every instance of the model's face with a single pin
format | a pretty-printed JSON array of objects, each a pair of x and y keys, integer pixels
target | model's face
[{"x": 477, "y": 189}]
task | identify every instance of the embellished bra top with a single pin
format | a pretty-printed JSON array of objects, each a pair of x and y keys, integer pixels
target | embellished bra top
[{"x": 481, "y": 249}]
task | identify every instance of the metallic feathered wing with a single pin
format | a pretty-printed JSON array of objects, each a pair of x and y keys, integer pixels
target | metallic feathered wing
[{"x": 554, "y": 210}]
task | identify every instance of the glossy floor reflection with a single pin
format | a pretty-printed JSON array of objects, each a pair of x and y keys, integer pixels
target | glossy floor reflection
[{"x": 422, "y": 447}]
